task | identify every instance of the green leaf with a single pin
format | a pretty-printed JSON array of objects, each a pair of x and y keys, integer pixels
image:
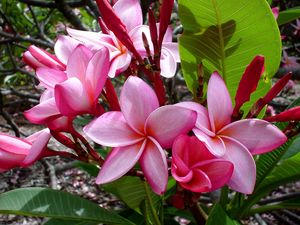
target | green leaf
[
  {"x": 68, "y": 222},
  {"x": 287, "y": 171},
  {"x": 293, "y": 203},
  {"x": 219, "y": 216},
  {"x": 45, "y": 202},
  {"x": 293, "y": 149},
  {"x": 225, "y": 36},
  {"x": 131, "y": 191},
  {"x": 288, "y": 15}
]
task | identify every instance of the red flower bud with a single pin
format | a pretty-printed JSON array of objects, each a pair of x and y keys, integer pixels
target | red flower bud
[
  {"x": 249, "y": 82},
  {"x": 288, "y": 115}
]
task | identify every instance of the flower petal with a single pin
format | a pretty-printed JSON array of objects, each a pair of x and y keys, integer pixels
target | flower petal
[
  {"x": 202, "y": 116},
  {"x": 173, "y": 48},
  {"x": 111, "y": 129},
  {"x": 50, "y": 77},
  {"x": 43, "y": 112},
  {"x": 14, "y": 145},
  {"x": 214, "y": 144},
  {"x": 199, "y": 183},
  {"x": 167, "y": 122},
  {"x": 154, "y": 165},
  {"x": 119, "y": 161},
  {"x": 219, "y": 172},
  {"x": 130, "y": 12},
  {"x": 258, "y": 136},
  {"x": 64, "y": 47},
  {"x": 92, "y": 40},
  {"x": 96, "y": 73},
  {"x": 244, "y": 174},
  {"x": 37, "y": 147},
  {"x": 168, "y": 63},
  {"x": 71, "y": 98},
  {"x": 137, "y": 101},
  {"x": 78, "y": 62},
  {"x": 218, "y": 102},
  {"x": 119, "y": 64}
]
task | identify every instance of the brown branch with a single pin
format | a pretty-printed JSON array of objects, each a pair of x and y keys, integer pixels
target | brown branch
[
  {"x": 68, "y": 13},
  {"x": 7, "y": 117},
  {"x": 44, "y": 4},
  {"x": 18, "y": 38}
]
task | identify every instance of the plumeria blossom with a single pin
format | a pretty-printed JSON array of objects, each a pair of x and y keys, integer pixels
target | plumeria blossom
[
  {"x": 130, "y": 13},
  {"x": 139, "y": 133},
  {"x": 74, "y": 91},
  {"x": 233, "y": 141},
  {"x": 16, "y": 152},
  {"x": 195, "y": 168}
]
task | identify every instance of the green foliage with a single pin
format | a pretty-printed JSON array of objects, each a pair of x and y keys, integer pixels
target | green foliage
[
  {"x": 225, "y": 36},
  {"x": 46, "y": 202},
  {"x": 219, "y": 216},
  {"x": 288, "y": 15},
  {"x": 68, "y": 222},
  {"x": 132, "y": 192}
]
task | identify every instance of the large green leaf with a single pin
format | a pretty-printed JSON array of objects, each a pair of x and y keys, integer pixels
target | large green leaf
[
  {"x": 288, "y": 15},
  {"x": 131, "y": 191},
  {"x": 68, "y": 222},
  {"x": 219, "y": 217},
  {"x": 225, "y": 36},
  {"x": 44, "y": 202}
]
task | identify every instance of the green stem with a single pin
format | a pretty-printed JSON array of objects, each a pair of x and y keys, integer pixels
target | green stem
[
  {"x": 149, "y": 199},
  {"x": 224, "y": 197}
]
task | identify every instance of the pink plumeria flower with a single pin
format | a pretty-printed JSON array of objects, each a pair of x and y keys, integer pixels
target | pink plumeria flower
[
  {"x": 195, "y": 168},
  {"x": 75, "y": 91},
  {"x": 275, "y": 11},
  {"x": 139, "y": 133},
  {"x": 15, "y": 152},
  {"x": 36, "y": 57},
  {"x": 297, "y": 28},
  {"x": 233, "y": 141},
  {"x": 130, "y": 13},
  {"x": 290, "y": 62}
]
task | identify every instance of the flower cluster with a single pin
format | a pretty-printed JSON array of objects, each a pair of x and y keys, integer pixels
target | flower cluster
[{"x": 206, "y": 147}]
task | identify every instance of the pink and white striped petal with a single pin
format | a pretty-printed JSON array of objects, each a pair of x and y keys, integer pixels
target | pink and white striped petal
[
  {"x": 37, "y": 147},
  {"x": 154, "y": 165},
  {"x": 130, "y": 13},
  {"x": 214, "y": 143},
  {"x": 168, "y": 122},
  {"x": 218, "y": 102},
  {"x": 258, "y": 136},
  {"x": 111, "y": 129},
  {"x": 50, "y": 77},
  {"x": 43, "y": 112},
  {"x": 78, "y": 62},
  {"x": 96, "y": 73},
  {"x": 137, "y": 101},
  {"x": 244, "y": 173},
  {"x": 168, "y": 63},
  {"x": 71, "y": 98},
  {"x": 64, "y": 46},
  {"x": 119, "y": 161}
]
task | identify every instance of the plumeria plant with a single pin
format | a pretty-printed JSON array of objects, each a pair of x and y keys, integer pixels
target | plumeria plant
[{"x": 157, "y": 152}]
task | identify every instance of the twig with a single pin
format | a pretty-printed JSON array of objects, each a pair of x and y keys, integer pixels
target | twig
[
  {"x": 60, "y": 168},
  {"x": 260, "y": 220},
  {"x": 44, "y": 4},
  {"x": 279, "y": 199},
  {"x": 31, "y": 40},
  {"x": 52, "y": 175},
  {"x": 91, "y": 4},
  {"x": 68, "y": 13},
  {"x": 6, "y": 116},
  {"x": 23, "y": 94}
]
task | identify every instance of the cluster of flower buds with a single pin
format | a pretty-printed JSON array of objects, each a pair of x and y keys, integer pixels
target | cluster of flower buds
[{"x": 205, "y": 147}]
